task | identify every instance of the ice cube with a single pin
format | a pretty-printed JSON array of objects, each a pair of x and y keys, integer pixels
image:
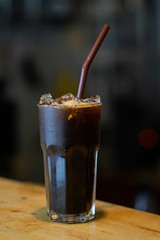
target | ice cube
[
  {"x": 46, "y": 99},
  {"x": 92, "y": 99},
  {"x": 67, "y": 96}
]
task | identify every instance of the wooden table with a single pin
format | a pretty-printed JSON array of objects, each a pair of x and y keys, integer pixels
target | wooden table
[{"x": 23, "y": 216}]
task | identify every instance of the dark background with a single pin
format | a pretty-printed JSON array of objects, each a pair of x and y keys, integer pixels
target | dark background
[{"x": 43, "y": 44}]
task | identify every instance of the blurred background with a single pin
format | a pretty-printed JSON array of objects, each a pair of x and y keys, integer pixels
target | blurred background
[{"x": 43, "y": 44}]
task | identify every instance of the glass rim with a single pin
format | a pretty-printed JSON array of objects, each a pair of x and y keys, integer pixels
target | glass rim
[{"x": 62, "y": 106}]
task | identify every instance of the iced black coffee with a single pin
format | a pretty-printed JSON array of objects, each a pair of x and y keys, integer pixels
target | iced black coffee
[{"x": 69, "y": 135}]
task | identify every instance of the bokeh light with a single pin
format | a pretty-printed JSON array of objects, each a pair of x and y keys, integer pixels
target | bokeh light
[{"x": 148, "y": 138}]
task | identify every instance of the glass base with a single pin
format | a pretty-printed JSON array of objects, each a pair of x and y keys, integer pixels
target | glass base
[{"x": 72, "y": 218}]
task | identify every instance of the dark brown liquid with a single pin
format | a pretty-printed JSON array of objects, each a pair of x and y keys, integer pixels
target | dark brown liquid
[{"x": 70, "y": 142}]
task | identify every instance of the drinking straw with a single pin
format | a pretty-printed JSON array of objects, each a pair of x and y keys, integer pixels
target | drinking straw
[{"x": 89, "y": 59}]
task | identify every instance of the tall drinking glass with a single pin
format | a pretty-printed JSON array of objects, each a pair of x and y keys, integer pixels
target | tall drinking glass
[{"x": 70, "y": 137}]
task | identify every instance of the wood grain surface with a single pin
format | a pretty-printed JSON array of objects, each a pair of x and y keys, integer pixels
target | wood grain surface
[{"x": 23, "y": 217}]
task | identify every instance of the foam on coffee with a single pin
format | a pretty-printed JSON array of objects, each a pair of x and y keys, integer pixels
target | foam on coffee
[{"x": 69, "y": 101}]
